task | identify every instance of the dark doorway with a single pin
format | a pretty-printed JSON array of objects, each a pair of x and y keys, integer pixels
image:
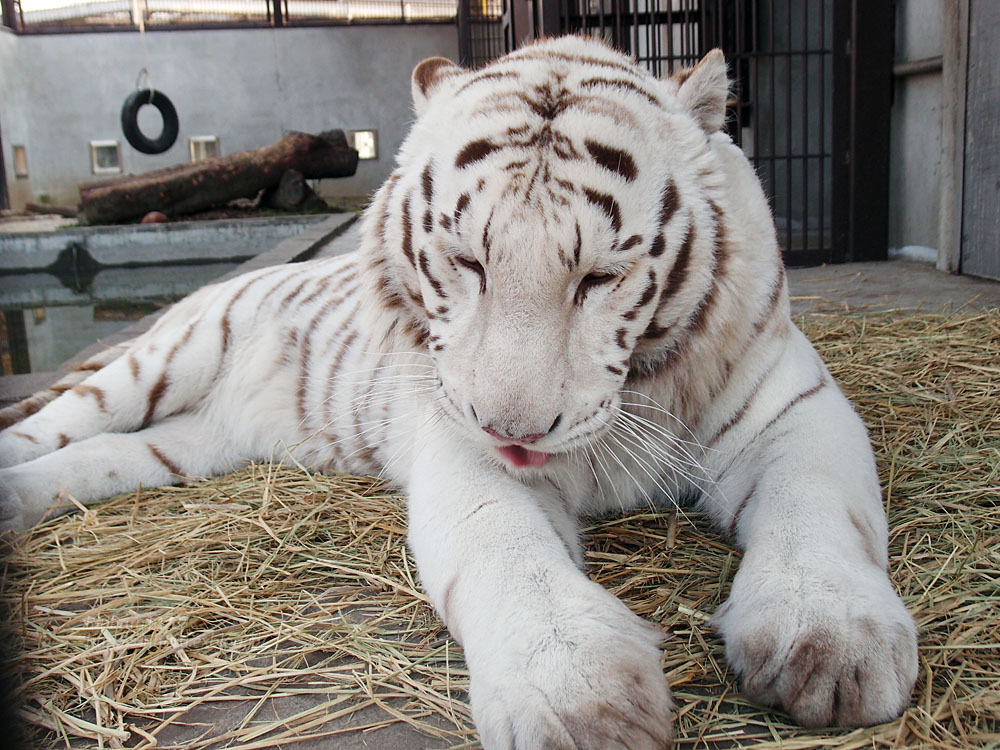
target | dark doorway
[{"x": 810, "y": 105}]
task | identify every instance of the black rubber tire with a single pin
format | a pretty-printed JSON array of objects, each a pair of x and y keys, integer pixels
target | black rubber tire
[{"x": 130, "y": 122}]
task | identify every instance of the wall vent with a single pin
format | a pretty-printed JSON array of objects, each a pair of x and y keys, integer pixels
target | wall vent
[
  {"x": 105, "y": 157},
  {"x": 20, "y": 161},
  {"x": 365, "y": 142},
  {"x": 203, "y": 147}
]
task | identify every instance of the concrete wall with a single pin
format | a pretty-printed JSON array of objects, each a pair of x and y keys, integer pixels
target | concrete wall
[
  {"x": 246, "y": 86},
  {"x": 915, "y": 157}
]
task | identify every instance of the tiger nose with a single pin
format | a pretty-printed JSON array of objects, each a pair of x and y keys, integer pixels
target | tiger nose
[
  {"x": 509, "y": 437},
  {"x": 521, "y": 440}
]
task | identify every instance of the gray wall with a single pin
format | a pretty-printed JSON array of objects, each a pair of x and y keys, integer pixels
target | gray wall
[
  {"x": 915, "y": 142},
  {"x": 246, "y": 86}
]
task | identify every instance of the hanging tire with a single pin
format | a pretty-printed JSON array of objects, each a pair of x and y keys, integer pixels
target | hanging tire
[{"x": 130, "y": 121}]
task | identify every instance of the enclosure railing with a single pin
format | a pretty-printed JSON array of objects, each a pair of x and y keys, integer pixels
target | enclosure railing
[{"x": 27, "y": 16}]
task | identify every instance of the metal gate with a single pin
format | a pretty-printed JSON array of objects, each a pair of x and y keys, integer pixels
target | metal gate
[{"x": 812, "y": 90}]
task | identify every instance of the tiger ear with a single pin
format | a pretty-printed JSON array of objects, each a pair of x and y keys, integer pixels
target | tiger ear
[
  {"x": 427, "y": 77},
  {"x": 704, "y": 89}
]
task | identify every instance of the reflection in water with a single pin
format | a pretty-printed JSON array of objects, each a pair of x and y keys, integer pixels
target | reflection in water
[
  {"x": 42, "y": 338},
  {"x": 44, "y": 322}
]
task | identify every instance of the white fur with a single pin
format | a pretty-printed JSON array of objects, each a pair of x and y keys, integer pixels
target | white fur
[{"x": 383, "y": 362}]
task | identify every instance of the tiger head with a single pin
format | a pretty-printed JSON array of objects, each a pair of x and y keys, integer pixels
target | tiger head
[{"x": 548, "y": 232}]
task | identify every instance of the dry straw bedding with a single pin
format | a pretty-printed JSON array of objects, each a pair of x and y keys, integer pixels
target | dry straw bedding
[{"x": 275, "y": 584}]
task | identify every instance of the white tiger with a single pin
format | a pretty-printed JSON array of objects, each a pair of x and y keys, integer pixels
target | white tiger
[{"x": 568, "y": 299}]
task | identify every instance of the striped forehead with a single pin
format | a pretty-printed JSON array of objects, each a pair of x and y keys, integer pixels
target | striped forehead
[
  {"x": 552, "y": 141},
  {"x": 544, "y": 240},
  {"x": 540, "y": 100},
  {"x": 546, "y": 130},
  {"x": 580, "y": 73}
]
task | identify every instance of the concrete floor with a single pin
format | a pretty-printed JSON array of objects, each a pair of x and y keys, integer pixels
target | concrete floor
[
  {"x": 890, "y": 285},
  {"x": 852, "y": 288},
  {"x": 33, "y": 223}
]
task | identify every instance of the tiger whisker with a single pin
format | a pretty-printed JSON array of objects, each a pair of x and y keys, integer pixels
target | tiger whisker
[
  {"x": 647, "y": 469},
  {"x": 688, "y": 447},
  {"x": 376, "y": 423},
  {"x": 652, "y": 403},
  {"x": 366, "y": 399},
  {"x": 660, "y": 459},
  {"x": 652, "y": 440},
  {"x": 607, "y": 474},
  {"x": 374, "y": 398},
  {"x": 382, "y": 368},
  {"x": 576, "y": 454},
  {"x": 699, "y": 481},
  {"x": 625, "y": 469},
  {"x": 672, "y": 436},
  {"x": 667, "y": 461},
  {"x": 437, "y": 415}
]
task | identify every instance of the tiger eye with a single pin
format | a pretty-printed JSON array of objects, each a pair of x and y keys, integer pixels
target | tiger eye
[
  {"x": 590, "y": 281},
  {"x": 476, "y": 267}
]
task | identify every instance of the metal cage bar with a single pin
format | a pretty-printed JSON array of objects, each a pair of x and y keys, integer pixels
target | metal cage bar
[{"x": 810, "y": 104}]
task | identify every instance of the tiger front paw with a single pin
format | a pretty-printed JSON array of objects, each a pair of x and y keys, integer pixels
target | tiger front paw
[
  {"x": 18, "y": 446},
  {"x": 599, "y": 687},
  {"x": 26, "y": 500},
  {"x": 840, "y": 652},
  {"x": 12, "y": 518}
]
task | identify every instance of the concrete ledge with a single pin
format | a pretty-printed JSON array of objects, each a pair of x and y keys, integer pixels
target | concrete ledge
[
  {"x": 302, "y": 246},
  {"x": 152, "y": 243},
  {"x": 41, "y": 289}
]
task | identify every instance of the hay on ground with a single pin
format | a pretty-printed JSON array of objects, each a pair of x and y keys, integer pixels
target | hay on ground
[{"x": 274, "y": 585}]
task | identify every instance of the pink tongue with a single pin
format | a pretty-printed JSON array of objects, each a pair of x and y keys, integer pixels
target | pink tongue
[{"x": 521, "y": 457}]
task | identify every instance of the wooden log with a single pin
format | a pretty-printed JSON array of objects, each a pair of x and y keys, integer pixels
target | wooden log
[
  {"x": 288, "y": 193},
  {"x": 291, "y": 193},
  {"x": 312, "y": 202},
  {"x": 187, "y": 188}
]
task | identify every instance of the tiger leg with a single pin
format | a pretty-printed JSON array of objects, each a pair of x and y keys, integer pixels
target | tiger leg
[
  {"x": 23, "y": 409},
  {"x": 813, "y": 623},
  {"x": 112, "y": 463},
  {"x": 555, "y": 660},
  {"x": 162, "y": 373}
]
